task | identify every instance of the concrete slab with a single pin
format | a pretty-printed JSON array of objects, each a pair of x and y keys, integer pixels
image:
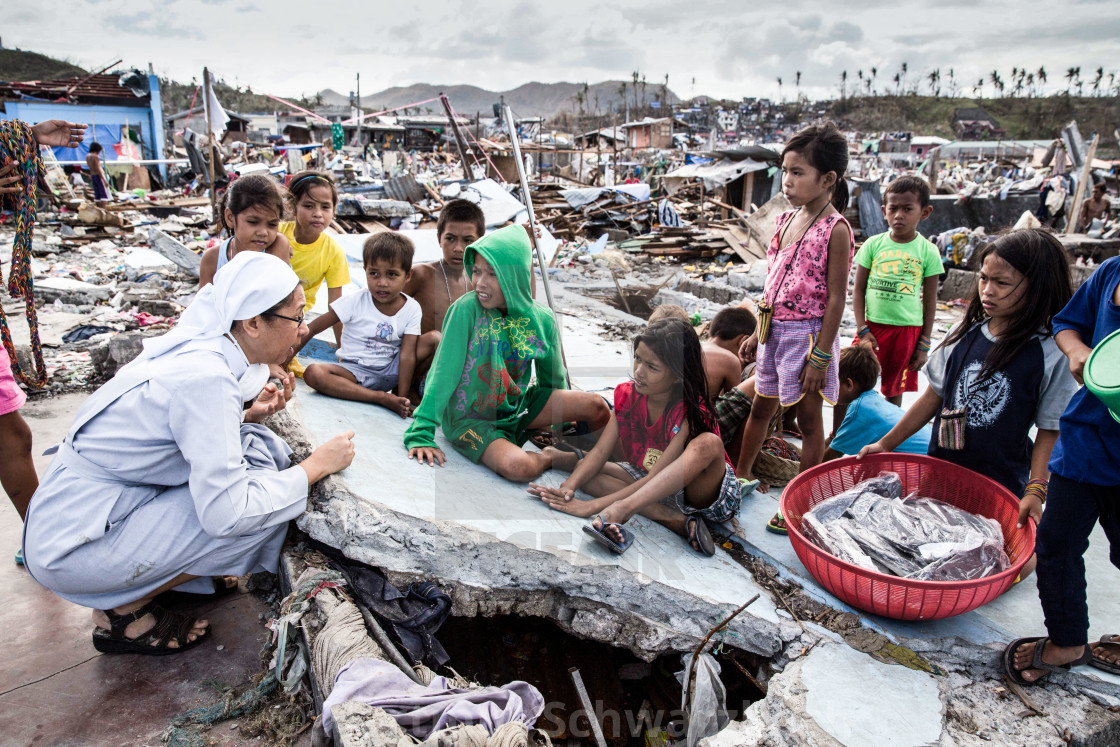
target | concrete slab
[
  {"x": 896, "y": 705},
  {"x": 477, "y": 532}
]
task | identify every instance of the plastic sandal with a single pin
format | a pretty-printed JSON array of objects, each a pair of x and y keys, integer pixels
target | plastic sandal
[
  {"x": 169, "y": 626},
  {"x": 603, "y": 539}
]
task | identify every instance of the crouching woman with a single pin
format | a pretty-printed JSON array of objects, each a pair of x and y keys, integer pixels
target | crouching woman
[{"x": 165, "y": 480}]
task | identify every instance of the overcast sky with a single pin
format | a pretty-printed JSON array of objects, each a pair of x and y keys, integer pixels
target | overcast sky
[{"x": 729, "y": 47}]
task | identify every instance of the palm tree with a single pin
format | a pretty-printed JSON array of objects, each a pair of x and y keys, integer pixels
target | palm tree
[
  {"x": 902, "y": 74},
  {"x": 933, "y": 77},
  {"x": 1080, "y": 83},
  {"x": 1071, "y": 73},
  {"x": 996, "y": 81},
  {"x": 797, "y": 84},
  {"x": 1111, "y": 81},
  {"x": 1097, "y": 81},
  {"x": 897, "y": 84},
  {"x": 952, "y": 84},
  {"x": 843, "y": 84},
  {"x": 978, "y": 89},
  {"x": 860, "y": 75},
  {"x": 874, "y": 72},
  {"x": 1030, "y": 84},
  {"x": 779, "y": 90}
]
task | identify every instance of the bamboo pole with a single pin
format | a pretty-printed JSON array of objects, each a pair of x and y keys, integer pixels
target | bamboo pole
[
  {"x": 210, "y": 145},
  {"x": 1074, "y": 216}
]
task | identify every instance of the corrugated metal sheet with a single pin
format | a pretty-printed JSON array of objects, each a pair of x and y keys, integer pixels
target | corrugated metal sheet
[
  {"x": 405, "y": 189},
  {"x": 104, "y": 86}
]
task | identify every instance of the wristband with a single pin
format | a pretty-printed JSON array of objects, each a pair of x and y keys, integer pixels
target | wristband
[
  {"x": 1037, "y": 487},
  {"x": 864, "y": 330},
  {"x": 924, "y": 343},
  {"x": 819, "y": 359}
]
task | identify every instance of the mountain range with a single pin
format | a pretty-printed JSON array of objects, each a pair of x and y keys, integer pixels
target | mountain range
[{"x": 528, "y": 100}]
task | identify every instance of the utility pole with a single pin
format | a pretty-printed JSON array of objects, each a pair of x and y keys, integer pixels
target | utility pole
[
  {"x": 358, "y": 76},
  {"x": 210, "y": 144}
]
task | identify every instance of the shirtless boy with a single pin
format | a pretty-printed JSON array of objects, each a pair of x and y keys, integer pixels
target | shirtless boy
[{"x": 1095, "y": 208}]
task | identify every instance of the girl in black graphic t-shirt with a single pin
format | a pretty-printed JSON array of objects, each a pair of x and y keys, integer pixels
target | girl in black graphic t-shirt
[{"x": 1000, "y": 371}]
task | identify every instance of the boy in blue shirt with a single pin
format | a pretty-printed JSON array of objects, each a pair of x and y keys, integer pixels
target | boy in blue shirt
[
  {"x": 1084, "y": 488},
  {"x": 869, "y": 416}
]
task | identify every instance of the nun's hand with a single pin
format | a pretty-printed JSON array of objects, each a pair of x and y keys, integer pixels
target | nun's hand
[{"x": 272, "y": 399}]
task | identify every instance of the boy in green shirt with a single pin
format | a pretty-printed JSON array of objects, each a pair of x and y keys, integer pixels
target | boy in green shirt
[
  {"x": 892, "y": 269},
  {"x": 479, "y": 387}
]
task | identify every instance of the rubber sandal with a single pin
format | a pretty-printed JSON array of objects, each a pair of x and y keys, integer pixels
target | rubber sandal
[
  {"x": 746, "y": 487},
  {"x": 1039, "y": 642},
  {"x": 169, "y": 626},
  {"x": 186, "y": 597},
  {"x": 603, "y": 539},
  {"x": 699, "y": 534},
  {"x": 775, "y": 527},
  {"x": 1106, "y": 666},
  {"x": 19, "y": 556}
]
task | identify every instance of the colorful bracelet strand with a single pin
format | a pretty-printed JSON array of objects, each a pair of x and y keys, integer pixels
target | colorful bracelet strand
[
  {"x": 924, "y": 343},
  {"x": 863, "y": 331},
  {"x": 1037, "y": 487},
  {"x": 819, "y": 359}
]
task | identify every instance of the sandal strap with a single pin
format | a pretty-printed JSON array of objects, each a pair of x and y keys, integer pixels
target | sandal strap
[
  {"x": 118, "y": 622},
  {"x": 169, "y": 626},
  {"x": 1038, "y": 663}
]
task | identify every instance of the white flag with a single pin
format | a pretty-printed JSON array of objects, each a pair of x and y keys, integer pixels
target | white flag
[{"x": 214, "y": 110}]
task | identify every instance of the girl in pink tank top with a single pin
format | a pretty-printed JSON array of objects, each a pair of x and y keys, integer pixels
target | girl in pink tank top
[{"x": 806, "y": 286}]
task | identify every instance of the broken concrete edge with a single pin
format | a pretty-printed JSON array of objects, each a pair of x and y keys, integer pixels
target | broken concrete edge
[
  {"x": 951, "y": 654},
  {"x": 602, "y": 603}
]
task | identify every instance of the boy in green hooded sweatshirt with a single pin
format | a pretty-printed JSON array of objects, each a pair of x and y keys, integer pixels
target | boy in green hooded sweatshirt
[{"x": 478, "y": 389}]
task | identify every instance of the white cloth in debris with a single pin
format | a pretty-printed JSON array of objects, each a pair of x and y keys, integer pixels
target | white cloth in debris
[
  {"x": 423, "y": 710},
  {"x": 158, "y": 475}
]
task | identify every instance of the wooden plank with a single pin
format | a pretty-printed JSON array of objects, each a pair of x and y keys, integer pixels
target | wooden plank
[
  {"x": 170, "y": 247},
  {"x": 1073, "y": 217}
]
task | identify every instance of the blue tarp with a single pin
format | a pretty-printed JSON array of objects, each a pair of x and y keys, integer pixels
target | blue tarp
[
  {"x": 107, "y": 135},
  {"x": 870, "y": 205}
]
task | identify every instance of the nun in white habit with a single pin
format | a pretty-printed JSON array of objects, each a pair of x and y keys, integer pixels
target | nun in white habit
[{"x": 165, "y": 480}]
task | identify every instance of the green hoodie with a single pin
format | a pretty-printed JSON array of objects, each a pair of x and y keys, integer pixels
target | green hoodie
[{"x": 478, "y": 387}]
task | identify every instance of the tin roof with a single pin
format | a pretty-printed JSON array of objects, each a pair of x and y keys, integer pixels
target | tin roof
[{"x": 85, "y": 89}]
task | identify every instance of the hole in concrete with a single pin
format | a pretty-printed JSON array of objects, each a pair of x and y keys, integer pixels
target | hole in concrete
[{"x": 632, "y": 696}]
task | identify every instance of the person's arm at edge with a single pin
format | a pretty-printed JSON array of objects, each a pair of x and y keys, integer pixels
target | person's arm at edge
[
  {"x": 207, "y": 266},
  {"x": 859, "y": 305},
  {"x": 407, "y": 366},
  {"x": 443, "y": 377},
  {"x": 929, "y": 310},
  {"x": 333, "y": 294},
  {"x": 1030, "y": 505}
]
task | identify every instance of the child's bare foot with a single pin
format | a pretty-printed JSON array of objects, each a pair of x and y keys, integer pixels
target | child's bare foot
[
  {"x": 561, "y": 460},
  {"x": 399, "y": 405}
]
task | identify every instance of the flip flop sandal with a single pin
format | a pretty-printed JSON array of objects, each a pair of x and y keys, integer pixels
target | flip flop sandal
[
  {"x": 777, "y": 525},
  {"x": 186, "y": 597},
  {"x": 1106, "y": 666},
  {"x": 1039, "y": 642},
  {"x": 567, "y": 447},
  {"x": 746, "y": 487},
  {"x": 604, "y": 539},
  {"x": 170, "y": 626},
  {"x": 699, "y": 536}
]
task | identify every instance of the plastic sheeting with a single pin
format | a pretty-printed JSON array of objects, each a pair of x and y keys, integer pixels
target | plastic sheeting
[
  {"x": 707, "y": 707},
  {"x": 578, "y": 198},
  {"x": 870, "y": 205},
  {"x": 714, "y": 175},
  {"x": 871, "y": 525}
]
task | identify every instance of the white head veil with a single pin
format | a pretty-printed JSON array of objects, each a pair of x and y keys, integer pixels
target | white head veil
[{"x": 249, "y": 284}]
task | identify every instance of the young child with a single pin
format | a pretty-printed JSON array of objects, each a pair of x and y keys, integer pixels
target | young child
[
  {"x": 437, "y": 285},
  {"x": 1084, "y": 488},
  {"x": 1096, "y": 207},
  {"x": 721, "y": 369},
  {"x": 17, "y": 469},
  {"x": 250, "y": 211},
  {"x": 806, "y": 285},
  {"x": 478, "y": 389},
  {"x": 316, "y": 256},
  {"x": 675, "y": 469},
  {"x": 867, "y": 415},
  {"x": 999, "y": 371},
  {"x": 895, "y": 292},
  {"x": 731, "y": 327},
  {"x": 97, "y": 173},
  {"x": 379, "y": 332}
]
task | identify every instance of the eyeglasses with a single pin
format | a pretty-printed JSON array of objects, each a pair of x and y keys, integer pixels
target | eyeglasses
[{"x": 297, "y": 319}]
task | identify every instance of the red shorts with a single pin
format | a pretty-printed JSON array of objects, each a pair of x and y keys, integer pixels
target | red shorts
[{"x": 896, "y": 348}]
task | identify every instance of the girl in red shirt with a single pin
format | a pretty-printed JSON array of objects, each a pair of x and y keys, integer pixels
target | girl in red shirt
[{"x": 673, "y": 468}]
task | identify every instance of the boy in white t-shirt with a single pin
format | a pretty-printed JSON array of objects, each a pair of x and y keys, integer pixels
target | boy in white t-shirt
[{"x": 380, "y": 327}]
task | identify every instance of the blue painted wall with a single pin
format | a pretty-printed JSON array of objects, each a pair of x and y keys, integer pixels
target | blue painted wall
[{"x": 108, "y": 120}]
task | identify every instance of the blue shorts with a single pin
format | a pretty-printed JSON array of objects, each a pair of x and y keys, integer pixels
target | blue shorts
[{"x": 378, "y": 379}]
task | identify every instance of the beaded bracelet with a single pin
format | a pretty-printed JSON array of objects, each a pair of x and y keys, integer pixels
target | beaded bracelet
[
  {"x": 819, "y": 359},
  {"x": 864, "y": 330},
  {"x": 924, "y": 343},
  {"x": 1037, "y": 487}
]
